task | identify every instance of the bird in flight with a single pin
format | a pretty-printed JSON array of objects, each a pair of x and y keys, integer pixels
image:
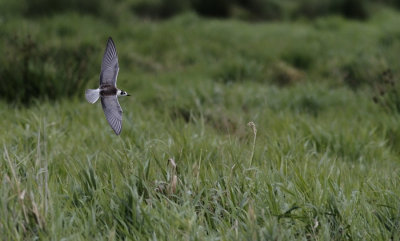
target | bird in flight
[{"x": 108, "y": 91}]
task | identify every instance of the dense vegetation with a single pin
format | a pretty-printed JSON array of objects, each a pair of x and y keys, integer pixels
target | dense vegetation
[
  {"x": 244, "y": 9},
  {"x": 235, "y": 130}
]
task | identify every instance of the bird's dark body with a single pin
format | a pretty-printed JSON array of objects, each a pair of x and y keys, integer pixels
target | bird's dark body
[{"x": 107, "y": 90}]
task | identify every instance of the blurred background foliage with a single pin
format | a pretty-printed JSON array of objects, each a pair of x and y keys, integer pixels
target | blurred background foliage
[
  {"x": 161, "y": 9},
  {"x": 51, "y": 48}
]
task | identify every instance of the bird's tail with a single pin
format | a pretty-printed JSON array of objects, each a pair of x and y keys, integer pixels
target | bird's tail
[{"x": 92, "y": 95}]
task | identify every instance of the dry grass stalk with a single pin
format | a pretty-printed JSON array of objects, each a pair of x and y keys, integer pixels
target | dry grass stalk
[
  {"x": 174, "y": 180},
  {"x": 253, "y": 127}
]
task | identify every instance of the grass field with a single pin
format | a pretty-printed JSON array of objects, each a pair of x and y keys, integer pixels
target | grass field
[{"x": 321, "y": 161}]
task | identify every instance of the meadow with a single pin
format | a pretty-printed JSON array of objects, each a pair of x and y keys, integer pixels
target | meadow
[{"x": 234, "y": 131}]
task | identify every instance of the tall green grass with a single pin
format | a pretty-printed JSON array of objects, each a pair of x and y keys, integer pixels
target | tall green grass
[{"x": 322, "y": 164}]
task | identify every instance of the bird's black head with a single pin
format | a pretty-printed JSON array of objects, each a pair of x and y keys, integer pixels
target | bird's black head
[{"x": 123, "y": 93}]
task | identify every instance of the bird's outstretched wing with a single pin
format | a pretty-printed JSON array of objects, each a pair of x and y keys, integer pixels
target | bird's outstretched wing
[
  {"x": 113, "y": 112},
  {"x": 109, "y": 66}
]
